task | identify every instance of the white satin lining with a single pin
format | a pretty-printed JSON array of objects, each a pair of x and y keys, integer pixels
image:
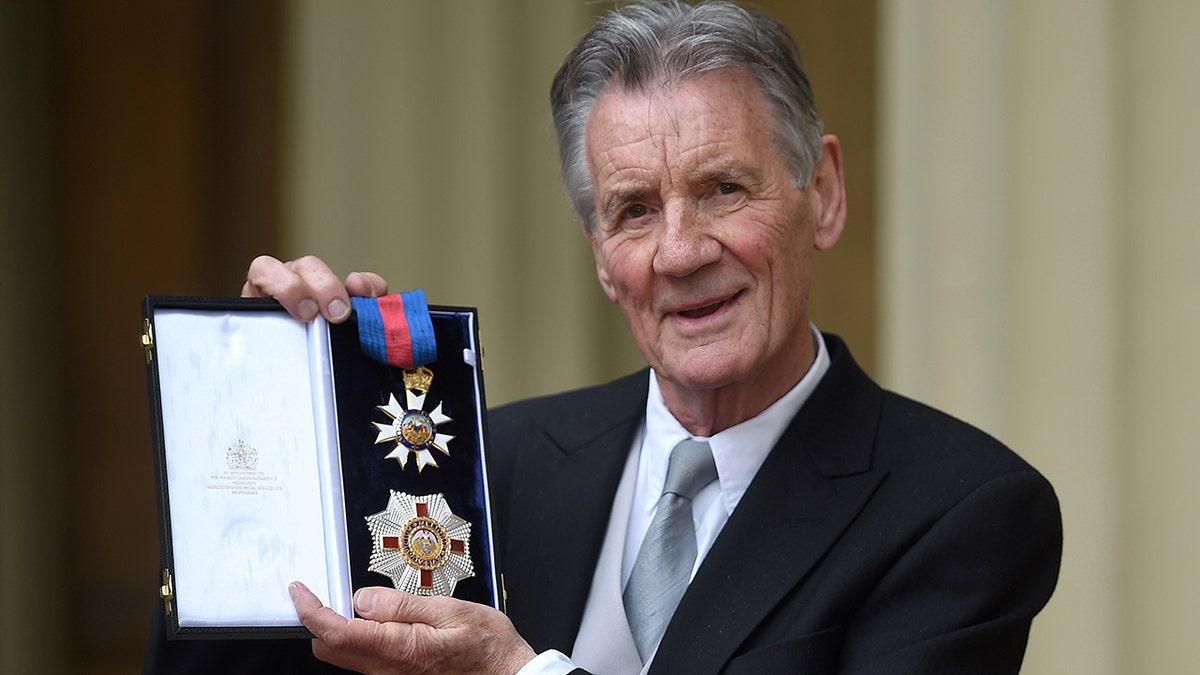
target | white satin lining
[{"x": 253, "y": 477}]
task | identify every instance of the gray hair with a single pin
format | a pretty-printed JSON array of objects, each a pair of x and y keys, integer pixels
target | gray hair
[{"x": 654, "y": 42}]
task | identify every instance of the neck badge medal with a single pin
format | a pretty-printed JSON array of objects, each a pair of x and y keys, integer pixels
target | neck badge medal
[{"x": 413, "y": 430}]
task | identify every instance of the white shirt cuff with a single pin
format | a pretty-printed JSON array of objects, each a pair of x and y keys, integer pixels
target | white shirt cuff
[{"x": 552, "y": 662}]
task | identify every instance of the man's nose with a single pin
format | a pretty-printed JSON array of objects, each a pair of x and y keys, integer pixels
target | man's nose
[{"x": 685, "y": 242}]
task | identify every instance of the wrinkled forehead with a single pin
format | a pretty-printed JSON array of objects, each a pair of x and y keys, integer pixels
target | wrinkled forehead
[
  {"x": 666, "y": 82},
  {"x": 728, "y": 97}
]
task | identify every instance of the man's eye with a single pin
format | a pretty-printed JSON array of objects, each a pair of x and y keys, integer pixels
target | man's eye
[
  {"x": 728, "y": 188},
  {"x": 636, "y": 211}
]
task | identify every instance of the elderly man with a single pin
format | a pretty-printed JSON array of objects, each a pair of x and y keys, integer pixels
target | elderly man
[{"x": 827, "y": 525}]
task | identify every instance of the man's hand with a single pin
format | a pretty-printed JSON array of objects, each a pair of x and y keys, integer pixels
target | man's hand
[
  {"x": 404, "y": 633},
  {"x": 306, "y": 286}
]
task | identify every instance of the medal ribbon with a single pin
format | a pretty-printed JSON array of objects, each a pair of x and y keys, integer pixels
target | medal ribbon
[{"x": 396, "y": 329}]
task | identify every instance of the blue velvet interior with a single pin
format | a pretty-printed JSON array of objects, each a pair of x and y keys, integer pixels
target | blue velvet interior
[{"x": 361, "y": 384}]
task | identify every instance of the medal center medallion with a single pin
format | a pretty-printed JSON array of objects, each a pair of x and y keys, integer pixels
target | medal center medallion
[
  {"x": 415, "y": 429},
  {"x": 424, "y": 543}
]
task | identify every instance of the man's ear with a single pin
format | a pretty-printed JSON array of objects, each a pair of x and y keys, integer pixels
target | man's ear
[{"x": 828, "y": 184}]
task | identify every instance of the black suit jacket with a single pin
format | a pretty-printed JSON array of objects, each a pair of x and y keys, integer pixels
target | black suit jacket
[{"x": 879, "y": 536}]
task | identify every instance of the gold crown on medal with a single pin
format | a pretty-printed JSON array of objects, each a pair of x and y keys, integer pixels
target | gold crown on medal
[{"x": 418, "y": 380}]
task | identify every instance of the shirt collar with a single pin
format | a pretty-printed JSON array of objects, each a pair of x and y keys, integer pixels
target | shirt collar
[{"x": 739, "y": 450}]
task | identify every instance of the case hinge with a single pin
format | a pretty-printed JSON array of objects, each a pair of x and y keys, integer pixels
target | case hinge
[
  {"x": 148, "y": 339},
  {"x": 167, "y": 591}
]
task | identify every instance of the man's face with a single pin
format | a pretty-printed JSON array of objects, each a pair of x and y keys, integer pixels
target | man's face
[{"x": 702, "y": 236}]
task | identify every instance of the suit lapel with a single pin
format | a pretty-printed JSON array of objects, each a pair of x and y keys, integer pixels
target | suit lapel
[
  {"x": 566, "y": 475},
  {"x": 809, "y": 489}
]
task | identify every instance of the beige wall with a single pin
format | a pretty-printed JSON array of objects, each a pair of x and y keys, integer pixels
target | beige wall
[
  {"x": 1159, "y": 86},
  {"x": 1038, "y": 190},
  {"x": 421, "y": 147}
]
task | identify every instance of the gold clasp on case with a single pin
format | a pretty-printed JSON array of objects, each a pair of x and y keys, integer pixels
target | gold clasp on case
[
  {"x": 148, "y": 339},
  {"x": 167, "y": 591}
]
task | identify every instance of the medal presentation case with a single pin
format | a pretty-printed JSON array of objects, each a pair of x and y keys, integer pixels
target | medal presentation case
[{"x": 284, "y": 453}]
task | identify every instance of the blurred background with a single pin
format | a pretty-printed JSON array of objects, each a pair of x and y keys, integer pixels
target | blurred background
[{"x": 1023, "y": 197}]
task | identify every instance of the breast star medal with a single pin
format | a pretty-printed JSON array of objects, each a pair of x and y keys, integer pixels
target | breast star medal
[
  {"x": 420, "y": 544},
  {"x": 411, "y": 428}
]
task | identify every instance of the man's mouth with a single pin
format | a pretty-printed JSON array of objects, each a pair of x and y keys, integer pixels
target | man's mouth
[{"x": 701, "y": 312}]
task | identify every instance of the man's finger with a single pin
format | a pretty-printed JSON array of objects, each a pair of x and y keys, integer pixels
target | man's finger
[
  {"x": 389, "y": 605},
  {"x": 307, "y": 287},
  {"x": 323, "y": 287},
  {"x": 268, "y": 277},
  {"x": 366, "y": 284},
  {"x": 338, "y": 640},
  {"x": 386, "y": 604},
  {"x": 316, "y": 617}
]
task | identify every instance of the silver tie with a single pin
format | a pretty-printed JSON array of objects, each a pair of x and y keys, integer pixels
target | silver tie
[{"x": 664, "y": 562}]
